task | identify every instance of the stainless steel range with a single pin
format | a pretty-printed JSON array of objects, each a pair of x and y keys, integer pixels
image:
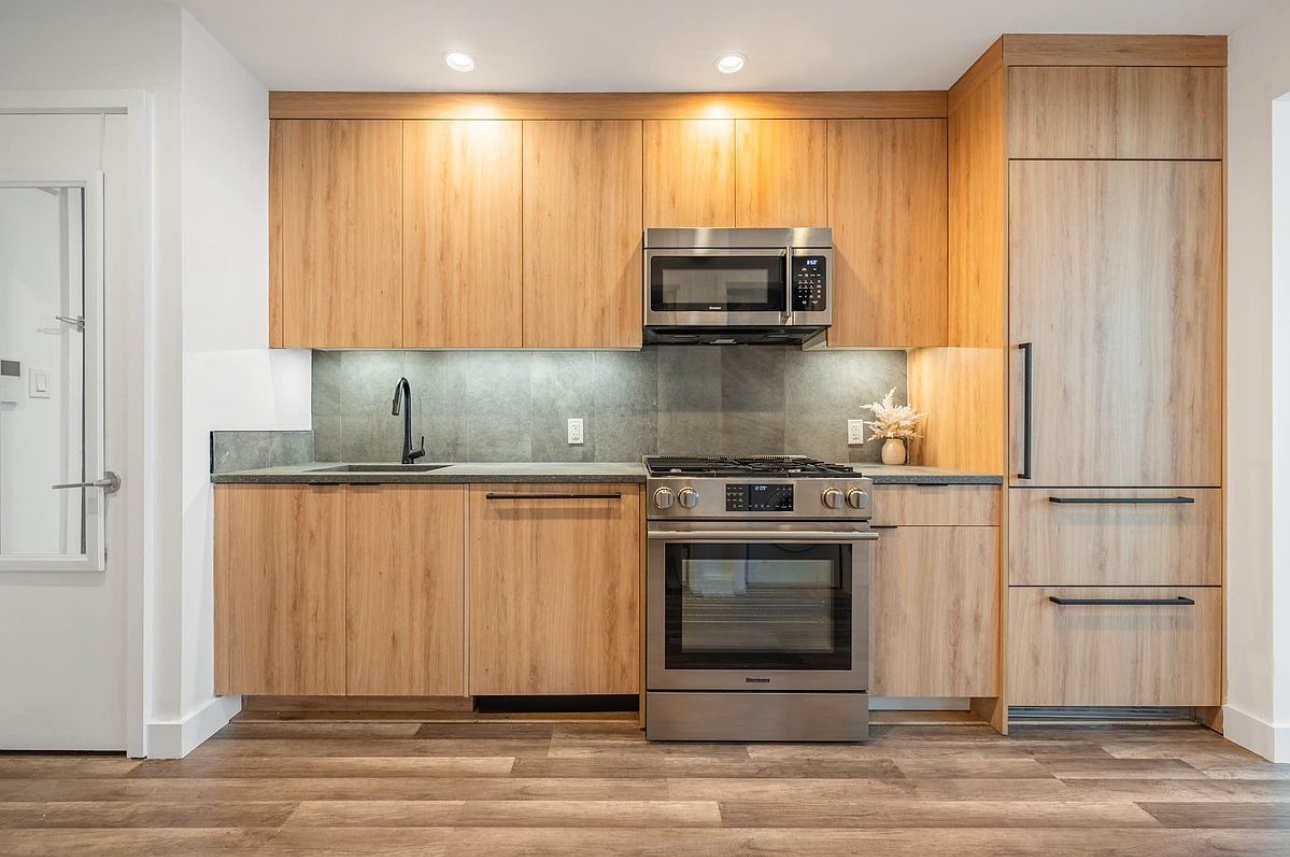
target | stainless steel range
[{"x": 757, "y": 600}]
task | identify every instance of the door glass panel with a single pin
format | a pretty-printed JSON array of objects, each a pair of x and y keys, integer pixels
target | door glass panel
[
  {"x": 42, "y": 371},
  {"x": 758, "y": 606},
  {"x": 717, "y": 283}
]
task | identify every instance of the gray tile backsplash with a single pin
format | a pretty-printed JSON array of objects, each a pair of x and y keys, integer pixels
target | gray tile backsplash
[
  {"x": 670, "y": 400},
  {"x": 249, "y": 450}
]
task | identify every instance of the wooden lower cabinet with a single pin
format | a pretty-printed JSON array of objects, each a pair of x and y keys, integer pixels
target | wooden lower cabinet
[
  {"x": 553, "y": 580},
  {"x": 405, "y": 607},
  {"x": 934, "y": 610},
  {"x": 1109, "y": 654},
  {"x": 280, "y": 590}
]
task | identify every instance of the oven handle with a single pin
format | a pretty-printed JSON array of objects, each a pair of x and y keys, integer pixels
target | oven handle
[{"x": 761, "y": 536}]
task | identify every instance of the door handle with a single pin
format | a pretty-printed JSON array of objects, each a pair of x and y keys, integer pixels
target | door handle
[
  {"x": 566, "y": 496},
  {"x": 1180, "y": 601},
  {"x": 1027, "y": 434},
  {"x": 1124, "y": 501},
  {"x": 762, "y": 536},
  {"x": 110, "y": 483}
]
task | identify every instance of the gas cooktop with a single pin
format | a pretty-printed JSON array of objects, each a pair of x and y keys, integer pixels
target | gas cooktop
[{"x": 784, "y": 466}]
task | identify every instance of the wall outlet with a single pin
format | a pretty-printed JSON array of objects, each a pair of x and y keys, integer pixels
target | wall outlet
[
  {"x": 855, "y": 432},
  {"x": 575, "y": 432}
]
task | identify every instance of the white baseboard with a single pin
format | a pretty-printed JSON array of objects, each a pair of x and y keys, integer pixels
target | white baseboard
[
  {"x": 175, "y": 739},
  {"x": 917, "y": 703},
  {"x": 1269, "y": 740}
]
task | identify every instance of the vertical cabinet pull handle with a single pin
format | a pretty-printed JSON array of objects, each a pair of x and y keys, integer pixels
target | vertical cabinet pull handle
[{"x": 1027, "y": 435}]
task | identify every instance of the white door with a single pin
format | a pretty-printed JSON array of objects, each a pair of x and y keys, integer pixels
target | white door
[{"x": 62, "y": 598}]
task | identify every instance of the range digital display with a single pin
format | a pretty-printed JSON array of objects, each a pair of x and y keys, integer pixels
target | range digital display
[{"x": 758, "y": 497}]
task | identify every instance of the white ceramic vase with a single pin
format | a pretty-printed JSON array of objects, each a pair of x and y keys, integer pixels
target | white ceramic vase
[{"x": 893, "y": 451}]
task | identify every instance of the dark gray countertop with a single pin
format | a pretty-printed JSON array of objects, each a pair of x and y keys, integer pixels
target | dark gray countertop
[{"x": 317, "y": 473}]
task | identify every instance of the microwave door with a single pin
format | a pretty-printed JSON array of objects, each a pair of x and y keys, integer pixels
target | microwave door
[{"x": 717, "y": 288}]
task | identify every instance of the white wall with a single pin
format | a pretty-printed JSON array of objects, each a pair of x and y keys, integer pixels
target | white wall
[
  {"x": 202, "y": 329},
  {"x": 231, "y": 378},
  {"x": 1258, "y": 324}
]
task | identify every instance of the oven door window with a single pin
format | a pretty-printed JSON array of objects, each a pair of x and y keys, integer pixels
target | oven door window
[
  {"x": 758, "y": 606},
  {"x": 750, "y": 283}
]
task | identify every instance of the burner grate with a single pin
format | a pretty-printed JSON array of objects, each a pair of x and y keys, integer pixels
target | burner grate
[{"x": 768, "y": 465}]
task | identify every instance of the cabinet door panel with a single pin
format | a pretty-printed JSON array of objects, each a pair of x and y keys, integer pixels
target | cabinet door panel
[
  {"x": 341, "y": 201},
  {"x": 1114, "y": 654},
  {"x": 888, "y": 206},
  {"x": 554, "y": 589},
  {"x": 462, "y": 203},
  {"x": 582, "y": 234},
  {"x": 280, "y": 590},
  {"x": 935, "y": 612},
  {"x": 689, "y": 173},
  {"x": 1116, "y": 278},
  {"x": 780, "y": 169},
  {"x": 1084, "y": 112},
  {"x": 406, "y": 589}
]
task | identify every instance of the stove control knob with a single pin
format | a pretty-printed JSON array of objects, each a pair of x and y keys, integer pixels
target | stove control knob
[
  {"x": 832, "y": 498},
  {"x": 689, "y": 498},
  {"x": 664, "y": 498},
  {"x": 857, "y": 499}
]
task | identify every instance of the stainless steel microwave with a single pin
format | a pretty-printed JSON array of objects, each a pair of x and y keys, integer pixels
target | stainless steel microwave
[{"x": 737, "y": 285}]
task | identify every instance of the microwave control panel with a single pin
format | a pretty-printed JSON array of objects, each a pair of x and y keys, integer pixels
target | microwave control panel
[
  {"x": 810, "y": 275},
  {"x": 744, "y": 497}
]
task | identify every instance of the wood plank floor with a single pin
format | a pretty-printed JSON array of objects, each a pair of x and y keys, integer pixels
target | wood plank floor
[{"x": 597, "y": 788}]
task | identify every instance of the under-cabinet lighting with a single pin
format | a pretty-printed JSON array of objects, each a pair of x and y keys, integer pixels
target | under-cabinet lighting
[
  {"x": 458, "y": 61},
  {"x": 730, "y": 63}
]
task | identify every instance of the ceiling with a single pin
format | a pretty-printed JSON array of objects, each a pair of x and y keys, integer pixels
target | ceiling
[{"x": 661, "y": 45}]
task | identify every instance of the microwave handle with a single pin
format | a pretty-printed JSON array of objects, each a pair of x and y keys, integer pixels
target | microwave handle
[{"x": 788, "y": 286}]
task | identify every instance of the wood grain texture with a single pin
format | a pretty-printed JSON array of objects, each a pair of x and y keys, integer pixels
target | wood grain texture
[
  {"x": 937, "y": 505},
  {"x": 1114, "y": 50},
  {"x": 342, "y": 225},
  {"x": 280, "y": 589},
  {"x": 1145, "y": 113},
  {"x": 780, "y": 173},
  {"x": 934, "y": 608},
  {"x": 963, "y": 393},
  {"x": 582, "y": 234},
  {"x": 1114, "y": 655},
  {"x": 463, "y": 234},
  {"x": 275, "y": 236},
  {"x": 553, "y": 591},
  {"x": 887, "y": 199},
  {"x": 1052, "y": 544},
  {"x": 406, "y": 623},
  {"x": 689, "y": 173},
  {"x": 608, "y": 105},
  {"x": 1117, "y": 279},
  {"x": 978, "y": 217}
]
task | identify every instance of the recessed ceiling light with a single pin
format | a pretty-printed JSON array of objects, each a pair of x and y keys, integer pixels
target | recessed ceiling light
[
  {"x": 458, "y": 61},
  {"x": 730, "y": 63}
]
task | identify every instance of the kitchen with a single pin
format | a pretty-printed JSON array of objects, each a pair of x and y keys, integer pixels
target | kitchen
[{"x": 580, "y": 471}]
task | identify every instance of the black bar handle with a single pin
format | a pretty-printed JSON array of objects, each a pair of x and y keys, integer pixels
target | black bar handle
[
  {"x": 883, "y": 527},
  {"x": 1027, "y": 409},
  {"x": 1180, "y": 601},
  {"x": 1123, "y": 501},
  {"x": 613, "y": 496}
]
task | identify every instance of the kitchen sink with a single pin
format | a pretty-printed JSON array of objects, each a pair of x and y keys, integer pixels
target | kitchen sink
[{"x": 379, "y": 468}]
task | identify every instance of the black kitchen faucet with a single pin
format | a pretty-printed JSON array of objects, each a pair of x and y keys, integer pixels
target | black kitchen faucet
[{"x": 403, "y": 395}]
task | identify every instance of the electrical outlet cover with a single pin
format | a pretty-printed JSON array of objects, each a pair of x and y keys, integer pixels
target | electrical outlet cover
[
  {"x": 855, "y": 432},
  {"x": 575, "y": 432}
]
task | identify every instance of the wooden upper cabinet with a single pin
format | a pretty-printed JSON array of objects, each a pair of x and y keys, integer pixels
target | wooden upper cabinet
[
  {"x": 1126, "y": 113},
  {"x": 340, "y": 217},
  {"x": 462, "y": 209},
  {"x": 1116, "y": 271},
  {"x": 780, "y": 169},
  {"x": 554, "y": 589},
  {"x": 582, "y": 234},
  {"x": 406, "y": 590},
  {"x": 888, "y": 206},
  {"x": 689, "y": 173},
  {"x": 280, "y": 590}
]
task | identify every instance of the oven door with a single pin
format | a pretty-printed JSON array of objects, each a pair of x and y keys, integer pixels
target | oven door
[
  {"x": 717, "y": 288},
  {"x": 757, "y": 606}
]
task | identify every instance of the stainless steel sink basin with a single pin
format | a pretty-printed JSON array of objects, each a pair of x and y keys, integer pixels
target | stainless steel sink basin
[{"x": 379, "y": 468}]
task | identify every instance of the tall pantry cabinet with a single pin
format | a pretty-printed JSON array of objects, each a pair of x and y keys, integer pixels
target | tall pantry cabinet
[{"x": 1086, "y": 331}]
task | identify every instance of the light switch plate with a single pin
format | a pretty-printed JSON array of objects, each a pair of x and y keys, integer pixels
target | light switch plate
[
  {"x": 575, "y": 432},
  {"x": 855, "y": 432},
  {"x": 38, "y": 383}
]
